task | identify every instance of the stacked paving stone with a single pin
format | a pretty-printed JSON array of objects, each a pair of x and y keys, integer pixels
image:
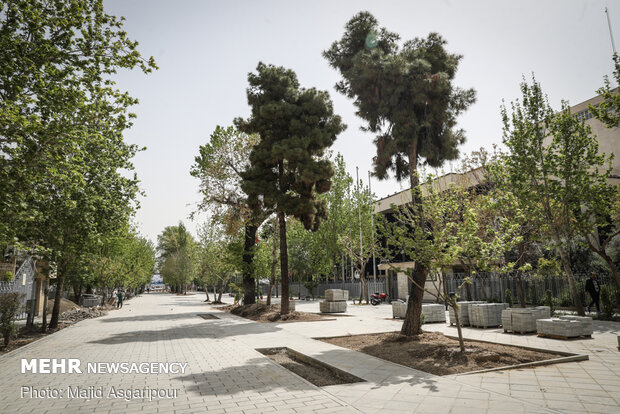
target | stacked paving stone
[
  {"x": 399, "y": 309},
  {"x": 463, "y": 312},
  {"x": 335, "y": 301},
  {"x": 565, "y": 327},
  {"x": 485, "y": 315},
  {"x": 433, "y": 313},
  {"x": 523, "y": 320}
]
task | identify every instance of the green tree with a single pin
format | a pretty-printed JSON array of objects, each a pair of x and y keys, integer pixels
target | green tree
[
  {"x": 407, "y": 98},
  {"x": 61, "y": 125},
  {"x": 554, "y": 167},
  {"x": 287, "y": 169},
  {"x": 177, "y": 256},
  {"x": 608, "y": 112},
  {"x": 219, "y": 167}
]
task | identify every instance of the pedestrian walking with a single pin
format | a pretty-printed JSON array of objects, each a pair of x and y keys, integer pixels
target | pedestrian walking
[
  {"x": 593, "y": 287},
  {"x": 119, "y": 297}
]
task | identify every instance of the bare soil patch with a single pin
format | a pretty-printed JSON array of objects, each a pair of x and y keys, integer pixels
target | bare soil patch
[
  {"x": 260, "y": 312},
  {"x": 27, "y": 335},
  {"x": 317, "y": 374},
  {"x": 437, "y": 354}
]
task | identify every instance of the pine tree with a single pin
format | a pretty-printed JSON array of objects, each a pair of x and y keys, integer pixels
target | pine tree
[
  {"x": 287, "y": 167},
  {"x": 407, "y": 98}
]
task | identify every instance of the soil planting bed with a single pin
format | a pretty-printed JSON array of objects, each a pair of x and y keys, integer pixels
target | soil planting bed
[
  {"x": 260, "y": 312},
  {"x": 308, "y": 368},
  {"x": 437, "y": 354}
]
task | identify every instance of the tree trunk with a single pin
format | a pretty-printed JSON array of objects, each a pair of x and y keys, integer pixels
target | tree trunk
[
  {"x": 249, "y": 287},
  {"x": 46, "y": 292},
  {"x": 284, "y": 308},
  {"x": 207, "y": 292},
  {"x": 520, "y": 287},
  {"x": 454, "y": 305},
  {"x": 411, "y": 324},
  {"x": 611, "y": 264},
  {"x": 60, "y": 279},
  {"x": 571, "y": 282}
]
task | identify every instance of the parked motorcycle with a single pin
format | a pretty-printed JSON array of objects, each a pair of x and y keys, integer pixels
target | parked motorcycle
[{"x": 376, "y": 298}]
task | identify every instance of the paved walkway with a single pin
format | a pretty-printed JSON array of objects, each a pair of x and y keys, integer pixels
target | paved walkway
[{"x": 226, "y": 374}]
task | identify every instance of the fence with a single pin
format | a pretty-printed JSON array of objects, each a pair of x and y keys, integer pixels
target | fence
[
  {"x": 534, "y": 287},
  {"x": 23, "y": 282},
  {"x": 354, "y": 288}
]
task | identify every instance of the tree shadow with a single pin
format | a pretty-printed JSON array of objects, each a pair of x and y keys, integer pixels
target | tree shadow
[
  {"x": 153, "y": 317},
  {"x": 217, "y": 328}
]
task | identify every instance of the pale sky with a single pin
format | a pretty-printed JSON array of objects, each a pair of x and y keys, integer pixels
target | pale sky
[{"x": 205, "y": 50}]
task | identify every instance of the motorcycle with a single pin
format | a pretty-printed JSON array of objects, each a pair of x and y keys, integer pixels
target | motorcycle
[{"x": 376, "y": 298}]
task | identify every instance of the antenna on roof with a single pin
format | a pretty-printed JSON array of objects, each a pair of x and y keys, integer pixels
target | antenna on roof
[{"x": 611, "y": 35}]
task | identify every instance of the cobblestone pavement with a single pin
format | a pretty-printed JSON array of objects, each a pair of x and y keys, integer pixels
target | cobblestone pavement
[{"x": 226, "y": 374}]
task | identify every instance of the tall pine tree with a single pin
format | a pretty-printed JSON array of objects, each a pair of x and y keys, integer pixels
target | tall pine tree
[
  {"x": 407, "y": 98},
  {"x": 287, "y": 167}
]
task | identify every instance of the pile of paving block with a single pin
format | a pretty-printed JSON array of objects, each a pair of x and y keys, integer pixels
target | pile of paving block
[
  {"x": 432, "y": 312},
  {"x": 399, "y": 309},
  {"x": 565, "y": 327},
  {"x": 486, "y": 315},
  {"x": 523, "y": 320},
  {"x": 463, "y": 312},
  {"x": 335, "y": 301}
]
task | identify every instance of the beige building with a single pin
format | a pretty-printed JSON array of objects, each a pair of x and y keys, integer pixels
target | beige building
[{"x": 609, "y": 143}]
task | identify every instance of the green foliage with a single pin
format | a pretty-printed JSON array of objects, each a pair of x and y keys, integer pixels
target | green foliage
[
  {"x": 508, "y": 298},
  {"x": 296, "y": 125},
  {"x": 555, "y": 171},
  {"x": 65, "y": 170},
  {"x": 608, "y": 111},
  {"x": 7, "y": 276},
  {"x": 10, "y": 307},
  {"x": 607, "y": 303},
  {"x": 218, "y": 167},
  {"x": 177, "y": 255},
  {"x": 422, "y": 319},
  {"x": 311, "y": 285},
  {"x": 550, "y": 301},
  {"x": 404, "y": 93}
]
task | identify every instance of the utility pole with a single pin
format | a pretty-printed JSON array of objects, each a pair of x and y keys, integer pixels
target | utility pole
[
  {"x": 372, "y": 225},
  {"x": 611, "y": 35},
  {"x": 359, "y": 214}
]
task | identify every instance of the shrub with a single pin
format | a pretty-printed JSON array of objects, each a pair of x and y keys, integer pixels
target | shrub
[
  {"x": 550, "y": 301},
  {"x": 10, "y": 307},
  {"x": 508, "y": 298},
  {"x": 422, "y": 318},
  {"x": 607, "y": 304},
  {"x": 7, "y": 276}
]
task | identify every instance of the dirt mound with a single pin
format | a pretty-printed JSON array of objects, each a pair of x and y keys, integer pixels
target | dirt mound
[
  {"x": 262, "y": 313},
  {"x": 65, "y": 305}
]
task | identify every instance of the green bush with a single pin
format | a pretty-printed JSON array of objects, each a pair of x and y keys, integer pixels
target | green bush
[
  {"x": 422, "y": 318},
  {"x": 10, "y": 307},
  {"x": 550, "y": 301},
  {"x": 508, "y": 298},
  {"x": 7, "y": 276},
  {"x": 607, "y": 304}
]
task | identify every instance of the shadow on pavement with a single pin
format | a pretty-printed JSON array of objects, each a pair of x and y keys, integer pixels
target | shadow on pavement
[
  {"x": 213, "y": 329},
  {"x": 259, "y": 375}
]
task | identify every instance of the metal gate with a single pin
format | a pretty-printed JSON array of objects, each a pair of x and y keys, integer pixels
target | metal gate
[{"x": 23, "y": 282}]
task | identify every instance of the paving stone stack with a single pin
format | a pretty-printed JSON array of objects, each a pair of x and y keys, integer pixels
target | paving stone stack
[
  {"x": 399, "y": 309},
  {"x": 433, "y": 312},
  {"x": 463, "y": 312},
  {"x": 523, "y": 320},
  {"x": 335, "y": 301},
  {"x": 486, "y": 315},
  {"x": 565, "y": 327}
]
